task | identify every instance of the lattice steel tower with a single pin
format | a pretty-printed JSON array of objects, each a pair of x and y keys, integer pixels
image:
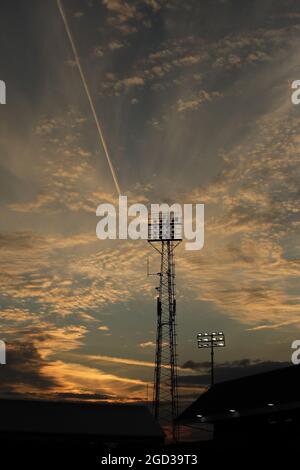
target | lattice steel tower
[{"x": 164, "y": 234}]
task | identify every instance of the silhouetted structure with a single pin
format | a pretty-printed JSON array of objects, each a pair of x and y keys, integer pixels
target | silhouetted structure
[
  {"x": 251, "y": 411},
  {"x": 164, "y": 234},
  {"x": 211, "y": 341},
  {"x": 77, "y": 422}
]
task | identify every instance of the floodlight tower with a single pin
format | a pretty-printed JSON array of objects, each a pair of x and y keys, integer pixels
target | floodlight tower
[
  {"x": 164, "y": 235},
  {"x": 212, "y": 341}
]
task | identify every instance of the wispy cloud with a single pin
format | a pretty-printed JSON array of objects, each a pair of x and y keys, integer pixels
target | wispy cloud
[{"x": 196, "y": 108}]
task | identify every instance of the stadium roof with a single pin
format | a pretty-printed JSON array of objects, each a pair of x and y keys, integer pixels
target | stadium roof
[
  {"x": 78, "y": 419},
  {"x": 274, "y": 390}
]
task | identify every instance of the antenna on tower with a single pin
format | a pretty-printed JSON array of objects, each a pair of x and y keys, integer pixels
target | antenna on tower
[
  {"x": 164, "y": 235},
  {"x": 148, "y": 269}
]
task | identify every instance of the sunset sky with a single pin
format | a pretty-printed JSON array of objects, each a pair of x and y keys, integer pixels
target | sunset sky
[{"x": 195, "y": 102}]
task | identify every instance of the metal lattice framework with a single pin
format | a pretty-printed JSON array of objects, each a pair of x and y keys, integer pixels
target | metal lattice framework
[{"x": 164, "y": 236}]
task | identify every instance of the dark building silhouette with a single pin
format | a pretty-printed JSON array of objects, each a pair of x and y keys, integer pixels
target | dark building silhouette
[
  {"x": 252, "y": 411},
  {"x": 81, "y": 423}
]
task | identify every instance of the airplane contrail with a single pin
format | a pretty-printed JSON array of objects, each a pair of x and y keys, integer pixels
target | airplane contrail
[{"x": 101, "y": 136}]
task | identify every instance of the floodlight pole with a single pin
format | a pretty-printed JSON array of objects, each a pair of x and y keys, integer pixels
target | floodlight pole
[
  {"x": 212, "y": 341},
  {"x": 212, "y": 353}
]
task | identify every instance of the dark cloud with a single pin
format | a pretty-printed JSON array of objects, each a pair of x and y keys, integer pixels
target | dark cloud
[
  {"x": 227, "y": 370},
  {"x": 24, "y": 376},
  {"x": 83, "y": 396},
  {"x": 23, "y": 371}
]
